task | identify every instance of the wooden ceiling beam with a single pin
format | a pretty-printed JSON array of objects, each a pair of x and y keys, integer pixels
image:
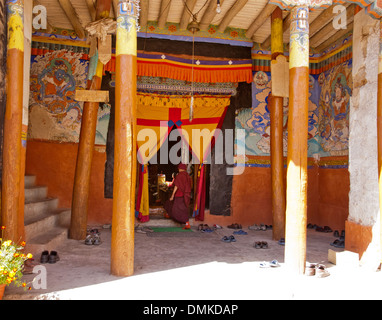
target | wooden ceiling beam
[
  {"x": 338, "y": 35},
  {"x": 209, "y": 15},
  {"x": 260, "y": 19},
  {"x": 235, "y": 9},
  {"x": 73, "y": 17},
  {"x": 163, "y": 13},
  {"x": 184, "y": 20},
  {"x": 329, "y": 30},
  {"x": 286, "y": 24},
  {"x": 144, "y": 13},
  {"x": 92, "y": 9}
]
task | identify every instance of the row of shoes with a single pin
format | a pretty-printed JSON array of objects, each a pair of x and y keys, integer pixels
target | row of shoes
[
  {"x": 47, "y": 257},
  {"x": 316, "y": 269},
  {"x": 93, "y": 237},
  {"x": 340, "y": 242},
  {"x": 261, "y": 226},
  {"x": 325, "y": 229},
  {"x": 206, "y": 228}
]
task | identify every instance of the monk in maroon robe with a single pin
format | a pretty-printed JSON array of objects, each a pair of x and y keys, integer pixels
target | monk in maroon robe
[{"x": 177, "y": 206}]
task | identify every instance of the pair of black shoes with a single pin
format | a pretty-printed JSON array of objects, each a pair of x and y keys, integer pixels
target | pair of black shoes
[
  {"x": 51, "y": 257},
  {"x": 340, "y": 242}
]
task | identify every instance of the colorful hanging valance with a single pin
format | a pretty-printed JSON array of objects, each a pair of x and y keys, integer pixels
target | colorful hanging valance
[
  {"x": 171, "y": 101},
  {"x": 183, "y": 69}
]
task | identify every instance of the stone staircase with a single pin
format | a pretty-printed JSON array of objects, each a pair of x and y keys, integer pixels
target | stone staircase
[{"x": 46, "y": 226}]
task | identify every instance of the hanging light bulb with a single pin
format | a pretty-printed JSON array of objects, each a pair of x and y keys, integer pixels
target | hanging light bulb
[{"x": 218, "y": 8}]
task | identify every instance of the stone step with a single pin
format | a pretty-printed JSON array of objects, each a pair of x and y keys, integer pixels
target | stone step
[
  {"x": 35, "y": 193},
  {"x": 38, "y": 224},
  {"x": 29, "y": 181},
  {"x": 42, "y": 206},
  {"x": 51, "y": 239}
]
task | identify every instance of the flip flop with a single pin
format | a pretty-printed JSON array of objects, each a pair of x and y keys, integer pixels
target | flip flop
[
  {"x": 274, "y": 263},
  {"x": 240, "y": 232},
  {"x": 265, "y": 264}
]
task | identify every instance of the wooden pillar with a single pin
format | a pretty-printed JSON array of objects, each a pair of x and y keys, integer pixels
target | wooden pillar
[
  {"x": 81, "y": 186},
  {"x": 276, "y": 113},
  {"x": 13, "y": 120},
  {"x": 296, "y": 208},
  {"x": 379, "y": 130},
  {"x": 122, "y": 234}
]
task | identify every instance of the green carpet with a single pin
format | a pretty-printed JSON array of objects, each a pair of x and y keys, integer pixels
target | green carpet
[{"x": 170, "y": 229}]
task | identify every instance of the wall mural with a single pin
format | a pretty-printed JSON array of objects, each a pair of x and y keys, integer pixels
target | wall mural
[
  {"x": 53, "y": 113},
  {"x": 336, "y": 85},
  {"x": 328, "y": 127}
]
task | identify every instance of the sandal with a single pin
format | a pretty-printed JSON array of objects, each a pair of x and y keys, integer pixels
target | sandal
[
  {"x": 274, "y": 263},
  {"x": 264, "y": 245},
  {"x": 264, "y": 264},
  {"x": 257, "y": 245},
  {"x": 321, "y": 271},
  {"x": 240, "y": 232},
  {"x": 89, "y": 239},
  {"x": 339, "y": 244},
  {"x": 234, "y": 226},
  {"x": 226, "y": 239},
  {"x": 232, "y": 238},
  {"x": 254, "y": 227},
  {"x": 310, "y": 269}
]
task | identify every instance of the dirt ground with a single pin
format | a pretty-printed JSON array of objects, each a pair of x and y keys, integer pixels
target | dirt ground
[{"x": 197, "y": 267}]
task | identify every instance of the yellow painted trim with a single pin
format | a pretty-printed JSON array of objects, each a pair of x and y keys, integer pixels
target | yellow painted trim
[
  {"x": 99, "y": 70},
  {"x": 299, "y": 53},
  {"x": 16, "y": 32},
  {"x": 277, "y": 44},
  {"x": 127, "y": 40}
]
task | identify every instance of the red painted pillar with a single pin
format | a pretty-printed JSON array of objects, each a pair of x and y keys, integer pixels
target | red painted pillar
[
  {"x": 297, "y": 176},
  {"x": 81, "y": 187},
  {"x": 122, "y": 232},
  {"x": 277, "y": 115},
  {"x": 10, "y": 194}
]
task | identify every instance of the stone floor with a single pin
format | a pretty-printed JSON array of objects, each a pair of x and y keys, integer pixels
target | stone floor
[{"x": 198, "y": 267}]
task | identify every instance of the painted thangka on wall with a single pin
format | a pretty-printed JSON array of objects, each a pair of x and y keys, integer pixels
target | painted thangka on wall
[
  {"x": 53, "y": 113},
  {"x": 328, "y": 124},
  {"x": 256, "y": 121},
  {"x": 336, "y": 85}
]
